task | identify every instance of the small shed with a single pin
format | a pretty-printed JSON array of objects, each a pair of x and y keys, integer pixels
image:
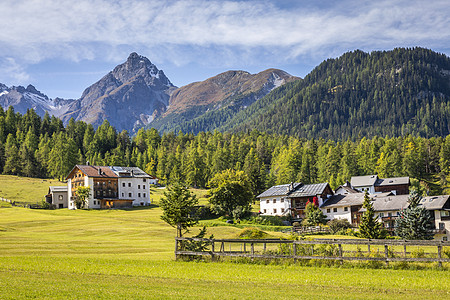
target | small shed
[{"x": 57, "y": 196}]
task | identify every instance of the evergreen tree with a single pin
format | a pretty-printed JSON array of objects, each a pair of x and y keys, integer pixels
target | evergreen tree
[
  {"x": 414, "y": 222},
  {"x": 369, "y": 227},
  {"x": 314, "y": 215},
  {"x": 178, "y": 205},
  {"x": 12, "y": 161}
]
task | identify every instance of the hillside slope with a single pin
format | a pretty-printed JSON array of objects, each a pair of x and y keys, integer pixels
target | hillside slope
[{"x": 398, "y": 92}]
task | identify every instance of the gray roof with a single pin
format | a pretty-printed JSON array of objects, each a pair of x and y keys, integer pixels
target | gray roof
[
  {"x": 348, "y": 189},
  {"x": 392, "y": 181},
  {"x": 353, "y": 199},
  {"x": 390, "y": 202},
  {"x": 61, "y": 188},
  {"x": 279, "y": 190},
  {"x": 133, "y": 171},
  {"x": 434, "y": 202},
  {"x": 368, "y": 180},
  {"x": 308, "y": 190}
]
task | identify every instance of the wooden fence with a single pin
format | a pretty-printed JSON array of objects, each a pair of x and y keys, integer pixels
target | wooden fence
[
  {"x": 321, "y": 249},
  {"x": 20, "y": 204}
]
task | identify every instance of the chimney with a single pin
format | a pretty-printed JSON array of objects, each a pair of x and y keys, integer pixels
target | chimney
[
  {"x": 87, "y": 163},
  {"x": 99, "y": 171}
]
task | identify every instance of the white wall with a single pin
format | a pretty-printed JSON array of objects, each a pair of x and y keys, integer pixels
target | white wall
[
  {"x": 136, "y": 189},
  {"x": 273, "y": 206},
  {"x": 338, "y": 213}
]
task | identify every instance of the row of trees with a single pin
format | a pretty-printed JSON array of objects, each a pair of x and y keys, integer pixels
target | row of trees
[{"x": 43, "y": 147}]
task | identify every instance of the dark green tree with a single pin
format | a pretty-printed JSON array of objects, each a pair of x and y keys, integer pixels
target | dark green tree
[
  {"x": 369, "y": 228},
  {"x": 414, "y": 222},
  {"x": 313, "y": 215},
  {"x": 178, "y": 205}
]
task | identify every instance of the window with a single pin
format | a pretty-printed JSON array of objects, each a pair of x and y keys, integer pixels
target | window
[
  {"x": 274, "y": 200},
  {"x": 398, "y": 213},
  {"x": 144, "y": 180},
  {"x": 346, "y": 208},
  {"x": 328, "y": 210},
  {"x": 445, "y": 213},
  {"x": 139, "y": 195},
  {"x": 265, "y": 210},
  {"x": 389, "y": 214},
  {"x": 109, "y": 181},
  {"x": 130, "y": 195},
  {"x": 139, "y": 186},
  {"x": 334, "y": 209},
  {"x": 143, "y": 187},
  {"x": 282, "y": 200},
  {"x": 123, "y": 195},
  {"x": 381, "y": 215},
  {"x": 282, "y": 210},
  {"x": 145, "y": 195},
  {"x": 267, "y": 201},
  {"x": 129, "y": 184},
  {"x": 60, "y": 197},
  {"x": 274, "y": 210},
  {"x": 123, "y": 184}
]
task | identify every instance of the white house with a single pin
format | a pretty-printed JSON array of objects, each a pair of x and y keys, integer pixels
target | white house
[
  {"x": 372, "y": 184},
  {"x": 110, "y": 187},
  {"x": 292, "y": 198}
]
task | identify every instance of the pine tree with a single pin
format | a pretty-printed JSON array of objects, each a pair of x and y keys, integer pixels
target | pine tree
[
  {"x": 414, "y": 222},
  {"x": 369, "y": 227},
  {"x": 178, "y": 205}
]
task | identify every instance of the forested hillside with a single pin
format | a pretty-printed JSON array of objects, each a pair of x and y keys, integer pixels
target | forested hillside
[
  {"x": 35, "y": 147},
  {"x": 388, "y": 93}
]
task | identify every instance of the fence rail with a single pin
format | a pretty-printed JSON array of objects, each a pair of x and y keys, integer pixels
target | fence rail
[
  {"x": 321, "y": 249},
  {"x": 19, "y": 204}
]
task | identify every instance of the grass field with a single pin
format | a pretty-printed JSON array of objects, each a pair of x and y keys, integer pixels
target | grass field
[
  {"x": 24, "y": 189},
  {"x": 128, "y": 254}
]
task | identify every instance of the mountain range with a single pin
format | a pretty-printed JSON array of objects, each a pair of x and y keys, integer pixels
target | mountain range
[
  {"x": 384, "y": 93},
  {"x": 136, "y": 93}
]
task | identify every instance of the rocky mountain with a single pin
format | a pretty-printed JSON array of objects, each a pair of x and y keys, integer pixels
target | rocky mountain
[
  {"x": 205, "y": 105},
  {"x": 22, "y": 98},
  {"x": 129, "y": 97}
]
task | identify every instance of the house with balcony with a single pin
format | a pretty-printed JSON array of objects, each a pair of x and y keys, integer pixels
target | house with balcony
[
  {"x": 110, "y": 186},
  {"x": 292, "y": 198}
]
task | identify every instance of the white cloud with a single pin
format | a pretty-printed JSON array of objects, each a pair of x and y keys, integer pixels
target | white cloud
[
  {"x": 12, "y": 73},
  {"x": 101, "y": 29}
]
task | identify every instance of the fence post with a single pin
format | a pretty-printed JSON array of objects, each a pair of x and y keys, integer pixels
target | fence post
[
  {"x": 176, "y": 248},
  {"x": 295, "y": 251},
  {"x": 253, "y": 248},
  {"x": 245, "y": 249},
  {"x": 212, "y": 250},
  {"x": 440, "y": 255},
  {"x": 340, "y": 253},
  {"x": 264, "y": 251},
  {"x": 404, "y": 249},
  {"x": 222, "y": 247},
  {"x": 386, "y": 254}
]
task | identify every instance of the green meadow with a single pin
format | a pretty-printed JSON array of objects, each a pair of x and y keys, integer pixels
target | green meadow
[{"x": 129, "y": 254}]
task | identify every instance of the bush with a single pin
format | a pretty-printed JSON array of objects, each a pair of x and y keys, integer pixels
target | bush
[
  {"x": 264, "y": 220},
  {"x": 252, "y": 233},
  {"x": 337, "y": 225}
]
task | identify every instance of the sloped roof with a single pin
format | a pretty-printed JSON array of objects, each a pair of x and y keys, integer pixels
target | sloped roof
[
  {"x": 368, "y": 180},
  {"x": 61, "y": 188},
  {"x": 353, "y": 199},
  {"x": 308, "y": 190},
  {"x": 94, "y": 171},
  {"x": 279, "y": 190},
  {"x": 349, "y": 189},
  {"x": 392, "y": 181},
  {"x": 435, "y": 202},
  {"x": 133, "y": 171},
  {"x": 390, "y": 202}
]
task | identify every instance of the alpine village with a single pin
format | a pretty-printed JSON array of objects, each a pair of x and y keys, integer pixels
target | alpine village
[{"x": 347, "y": 168}]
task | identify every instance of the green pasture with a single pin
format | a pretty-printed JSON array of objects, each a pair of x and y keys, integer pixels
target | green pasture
[
  {"x": 25, "y": 189},
  {"x": 129, "y": 254}
]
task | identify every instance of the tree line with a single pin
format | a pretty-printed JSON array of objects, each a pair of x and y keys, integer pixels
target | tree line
[{"x": 43, "y": 147}]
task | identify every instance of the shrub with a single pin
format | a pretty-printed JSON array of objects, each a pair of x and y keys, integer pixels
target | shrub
[
  {"x": 337, "y": 225},
  {"x": 252, "y": 233}
]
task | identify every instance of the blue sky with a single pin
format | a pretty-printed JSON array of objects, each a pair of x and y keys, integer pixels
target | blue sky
[{"x": 62, "y": 47}]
